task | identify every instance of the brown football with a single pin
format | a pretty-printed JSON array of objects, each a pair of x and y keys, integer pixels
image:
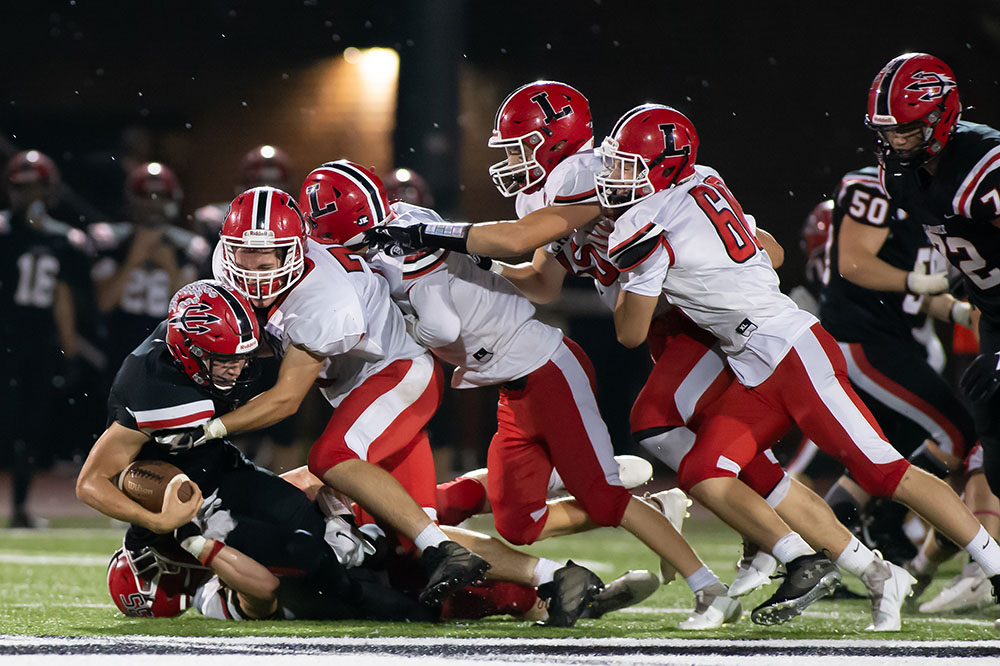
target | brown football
[{"x": 145, "y": 482}]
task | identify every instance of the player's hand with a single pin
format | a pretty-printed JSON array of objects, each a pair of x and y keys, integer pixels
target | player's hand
[
  {"x": 211, "y": 429},
  {"x": 397, "y": 241},
  {"x": 175, "y": 512},
  {"x": 487, "y": 264},
  {"x": 931, "y": 285},
  {"x": 981, "y": 379}
]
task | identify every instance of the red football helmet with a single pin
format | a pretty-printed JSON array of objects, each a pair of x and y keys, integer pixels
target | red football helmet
[
  {"x": 154, "y": 194},
  {"x": 342, "y": 199},
  {"x": 541, "y": 123},
  {"x": 408, "y": 186},
  {"x": 651, "y": 148},
  {"x": 817, "y": 227},
  {"x": 266, "y": 166},
  {"x": 209, "y": 323},
  {"x": 916, "y": 90},
  {"x": 264, "y": 218},
  {"x": 31, "y": 166},
  {"x": 150, "y": 584}
]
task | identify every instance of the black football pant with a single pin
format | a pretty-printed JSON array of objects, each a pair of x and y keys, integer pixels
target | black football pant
[{"x": 987, "y": 413}]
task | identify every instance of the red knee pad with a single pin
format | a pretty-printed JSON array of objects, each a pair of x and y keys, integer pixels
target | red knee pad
[{"x": 459, "y": 499}]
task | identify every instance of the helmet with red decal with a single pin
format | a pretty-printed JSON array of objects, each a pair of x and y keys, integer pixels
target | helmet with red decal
[
  {"x": 539, "y": 125},
  {"x": 153, "y": 583},
  {"x": 341, "y": 200},
  {"x": 212, "y": 334},
  {"x": 263, "y": 221},
  {"x": 914, "y": 92},
  {"x": 266, "y": 165},
  {"x": 651, "y": 148}
]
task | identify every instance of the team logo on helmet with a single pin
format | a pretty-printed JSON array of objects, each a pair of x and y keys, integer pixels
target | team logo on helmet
[
  {"x": 542, "y": 100},
  {"x": 933, "y": 84},
  {"x": 195, "y": 318}
]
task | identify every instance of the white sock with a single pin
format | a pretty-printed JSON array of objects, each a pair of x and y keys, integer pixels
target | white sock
[
  {"x": 429, "y": 536},
  {"x": 856, "y": 557},
  {"x": 545, "y": 571},
  {"x": 789, "y": 547},
  {"x": 701, "y": 578},
  {"x": 985, "y": 551}
]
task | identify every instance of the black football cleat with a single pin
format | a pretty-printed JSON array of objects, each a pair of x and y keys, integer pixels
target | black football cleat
[
  {"x": 570, "y": 592},
  {"x": 808, "y": 578},
  {"x": 995, "y": 582},
  {"x": 450, "y": 567}
]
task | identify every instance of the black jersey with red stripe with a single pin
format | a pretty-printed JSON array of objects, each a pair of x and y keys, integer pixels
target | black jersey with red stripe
[
  {"x": 852, "y": 313},
  {"x": 957, "y": 207},
  {"x": 153, "y": 395}
]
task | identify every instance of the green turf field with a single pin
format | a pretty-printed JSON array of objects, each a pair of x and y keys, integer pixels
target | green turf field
[{"x": 53, "y": 583}]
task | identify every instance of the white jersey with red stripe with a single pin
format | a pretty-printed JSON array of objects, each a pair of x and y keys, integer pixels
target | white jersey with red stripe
[
  {"x": 694, "y": 244},
  {"x": 342, "y": 311},
  {"x": 469, "y": 317},
  {"x": 570, "y": 182}
]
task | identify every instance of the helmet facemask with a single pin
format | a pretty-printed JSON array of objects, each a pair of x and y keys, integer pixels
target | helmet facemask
[
  {"x": 624, "y": 179},
  {"x": 911, "y": 157},
  {"x": 263, "y": 284},
  {"x": 221, "y": 380},
  {"x": 510, "y": 179}
]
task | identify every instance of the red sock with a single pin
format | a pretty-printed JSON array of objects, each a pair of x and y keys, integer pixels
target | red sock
[
  {"x": 459, "y": 499},
  {"x": 490, "y": 598}
]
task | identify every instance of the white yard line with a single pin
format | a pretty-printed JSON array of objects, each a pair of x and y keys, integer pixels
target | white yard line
[{"x": 22, "y": 557}]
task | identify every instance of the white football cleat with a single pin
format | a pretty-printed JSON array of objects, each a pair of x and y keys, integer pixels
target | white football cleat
[
  {"x": 713, "y": 608},
  {"x": 888, "y": 587},
  {"x": 753, "y": 571},
  {"x": 969, "y": 591}
]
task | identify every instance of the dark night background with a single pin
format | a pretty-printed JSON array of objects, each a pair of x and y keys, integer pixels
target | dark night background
[{"x": 777, "y": 91}]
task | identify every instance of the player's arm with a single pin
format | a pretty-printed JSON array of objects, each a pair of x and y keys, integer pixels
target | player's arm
[
  {"x": 945, "y": 307},
  {"x": 772, "y": 247},
  {"x": 490, "y": 239},
  {"x": 112, "y": 453},
  {"x": 859, "y": 245},
  {"x": 299, "y": 369},
  {"x": 633, "y": 313},
  {"x": 540, "y": 280},
  {"x": 517, "y": 237}
]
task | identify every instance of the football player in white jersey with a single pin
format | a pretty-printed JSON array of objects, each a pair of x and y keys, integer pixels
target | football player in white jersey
[
  {"x": 332, "y": 322},
  {"x": 680, "y": 233},
  {"x": 548, "y": 414}
]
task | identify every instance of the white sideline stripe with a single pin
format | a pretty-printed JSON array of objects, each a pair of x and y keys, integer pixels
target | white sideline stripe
[
  {"x": 61, "y": 605},
  {"x": 254, "y": 642},
  {"x": 56, "y": 560},
  {"x": 830, "y": 615}
]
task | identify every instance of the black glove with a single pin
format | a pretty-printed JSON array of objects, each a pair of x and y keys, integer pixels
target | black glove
[
  {"x": 982, "y": 378},
  {"x": 397, "y": 241}
]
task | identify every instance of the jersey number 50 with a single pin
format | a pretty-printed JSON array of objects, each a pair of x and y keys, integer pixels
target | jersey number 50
[{"x": 726, "y": 214}]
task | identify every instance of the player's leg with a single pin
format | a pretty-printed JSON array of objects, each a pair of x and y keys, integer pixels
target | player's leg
[
  {"x": 816, "y": 392},
  {"x": 389, "y": 409}
]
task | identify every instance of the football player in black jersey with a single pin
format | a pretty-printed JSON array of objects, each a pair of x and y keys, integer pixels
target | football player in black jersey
[
  {"x": 41, "y": 259},
  {"x": 945, "y": 173},
  {"x": 882, "y": 279},
  {"x": 193, "y": 367}
]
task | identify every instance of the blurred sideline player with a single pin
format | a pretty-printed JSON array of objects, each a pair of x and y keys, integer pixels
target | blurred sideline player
[
  {"x": 262, "y": 166},
  {"x": 681, "y": 233},
  {"x": 41, "y": 260},
  {"x": 548, "y": 414},
  {"x": 142, "y": 262},
  {"x": 332, "y": 323}
]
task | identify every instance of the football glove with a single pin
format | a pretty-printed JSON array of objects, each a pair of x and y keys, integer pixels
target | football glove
[
  {"x": 401, "y": 241},
  {"x": 982, "y": 378},
  {"x": 921, "y": 283}
]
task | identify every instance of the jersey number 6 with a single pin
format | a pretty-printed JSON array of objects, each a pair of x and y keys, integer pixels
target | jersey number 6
[{"x": 728, "y": 218}]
